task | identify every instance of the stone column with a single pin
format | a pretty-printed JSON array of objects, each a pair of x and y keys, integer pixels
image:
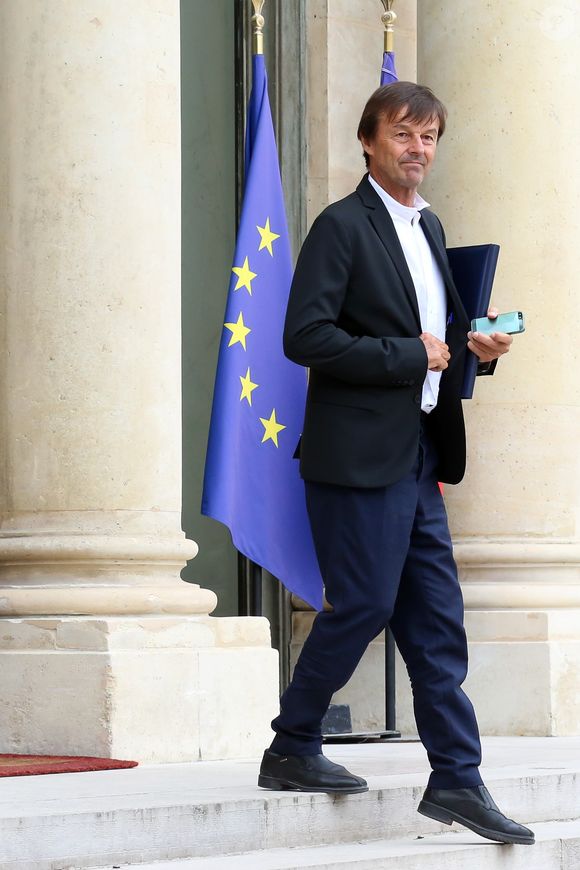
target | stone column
[
  {"x": 104, "y": 649},
  {"x": 506, "y": 172}
]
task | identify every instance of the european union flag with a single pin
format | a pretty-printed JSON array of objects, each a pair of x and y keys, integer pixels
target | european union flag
[
  {"x": 388, "y": 71},
  {"x": 252, "y": 483}
]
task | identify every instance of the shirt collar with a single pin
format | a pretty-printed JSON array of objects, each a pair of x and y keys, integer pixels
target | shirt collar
[{"x": 396, "y": 208}]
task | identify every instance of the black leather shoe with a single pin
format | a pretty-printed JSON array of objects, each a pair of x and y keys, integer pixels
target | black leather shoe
[
  {"x": 307, "y": 773},
  {"x": 474, "y": 808}
]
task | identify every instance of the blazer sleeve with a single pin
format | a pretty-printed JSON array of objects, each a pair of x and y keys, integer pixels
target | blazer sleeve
[
  {"x": 486, "y": 368},
  {"x": 311, "y": 335}
]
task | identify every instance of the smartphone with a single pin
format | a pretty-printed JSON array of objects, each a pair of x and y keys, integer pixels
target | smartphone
[{"x": 512, "y": 323}]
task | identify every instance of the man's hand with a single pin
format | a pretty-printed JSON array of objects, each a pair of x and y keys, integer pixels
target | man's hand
[
  {"x": 489, "y": 347},
  {"x": 438, "y": 355}
]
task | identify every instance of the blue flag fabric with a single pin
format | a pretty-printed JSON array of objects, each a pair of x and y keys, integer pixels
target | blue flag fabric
[
  {"x": 388, "y": 71},
  {"x": 252, "y": 482}
]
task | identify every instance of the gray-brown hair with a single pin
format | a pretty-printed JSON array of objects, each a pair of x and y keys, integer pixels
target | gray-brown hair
[{"x": 418, "y": 101}]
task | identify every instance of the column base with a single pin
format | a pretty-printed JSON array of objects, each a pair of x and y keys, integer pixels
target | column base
[
  {"x": 524, "y": 674},
  {"x": 152, "y": 688},
  {"x": 524, "y": 671}
]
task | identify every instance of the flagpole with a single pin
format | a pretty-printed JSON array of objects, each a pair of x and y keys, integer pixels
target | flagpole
[
  {"x": 258, "y": 25},
  {"x": 388, "y": 18},
  {"x": 250, "y": 595},
  {"x": 388, "y": 69},
  {"x": 388, "y": 76}
]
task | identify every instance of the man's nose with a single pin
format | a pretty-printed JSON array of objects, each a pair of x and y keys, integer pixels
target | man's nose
[{"x": 417, "y": 146}]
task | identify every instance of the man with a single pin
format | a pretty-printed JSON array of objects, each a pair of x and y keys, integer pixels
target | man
[{"x": 374, "y": 313}]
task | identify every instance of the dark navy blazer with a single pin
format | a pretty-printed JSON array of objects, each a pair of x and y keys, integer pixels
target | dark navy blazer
[{"x": 353, "y": 319}]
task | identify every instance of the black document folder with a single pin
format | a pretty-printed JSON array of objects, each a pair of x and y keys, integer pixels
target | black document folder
[{"x": 473, "y": 269}]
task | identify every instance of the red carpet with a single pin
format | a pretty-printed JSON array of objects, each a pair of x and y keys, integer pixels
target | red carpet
[{"x": 30, "y": 765}]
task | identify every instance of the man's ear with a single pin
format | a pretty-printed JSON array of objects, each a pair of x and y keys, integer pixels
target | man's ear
[{"x": 367, "y": 146}]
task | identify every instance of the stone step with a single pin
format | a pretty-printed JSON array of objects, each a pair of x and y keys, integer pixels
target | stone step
[
  {"x": 167, "y": 812},
  {"x": 557, "y": 847}
]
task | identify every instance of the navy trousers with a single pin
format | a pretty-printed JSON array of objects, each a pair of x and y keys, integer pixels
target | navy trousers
[{"x": 386, "y": 559}]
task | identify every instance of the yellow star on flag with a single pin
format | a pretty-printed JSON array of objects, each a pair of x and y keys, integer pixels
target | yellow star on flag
[
  {"x": 245, "y": 276},
  {"x": 271, "y": 428},
  {"x": 239, "y": 331},
  {"x": 267, "y": 237},
  {"x": 247, "y": 387}
]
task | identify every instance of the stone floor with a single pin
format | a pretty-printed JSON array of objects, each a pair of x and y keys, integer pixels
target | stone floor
[
  {"x": 396, "y": 761},
  {"x": 187, "y": 811}
]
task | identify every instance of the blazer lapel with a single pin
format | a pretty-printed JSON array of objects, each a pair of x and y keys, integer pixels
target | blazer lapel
[{"x": 385, "y": 229}]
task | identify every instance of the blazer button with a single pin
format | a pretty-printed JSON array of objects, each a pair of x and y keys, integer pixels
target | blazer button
[{"x": 417, "y": 398}]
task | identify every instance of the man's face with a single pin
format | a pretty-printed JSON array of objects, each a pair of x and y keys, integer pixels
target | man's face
[{"x": 401, "y": 154}]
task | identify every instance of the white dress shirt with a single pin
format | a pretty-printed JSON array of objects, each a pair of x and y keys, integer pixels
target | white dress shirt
[{"x": 426, "y": 275}]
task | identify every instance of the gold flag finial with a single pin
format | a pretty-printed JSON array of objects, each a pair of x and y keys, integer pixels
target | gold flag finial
[
  {"x": 388, "y": 18},
  {"x": 258, "y": 24}
]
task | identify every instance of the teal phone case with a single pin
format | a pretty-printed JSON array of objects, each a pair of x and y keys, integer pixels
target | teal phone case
[{"x": 512, "y": 322}]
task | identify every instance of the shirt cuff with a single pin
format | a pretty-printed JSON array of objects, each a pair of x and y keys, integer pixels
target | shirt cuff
[{"x": 486, "y": 368}]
